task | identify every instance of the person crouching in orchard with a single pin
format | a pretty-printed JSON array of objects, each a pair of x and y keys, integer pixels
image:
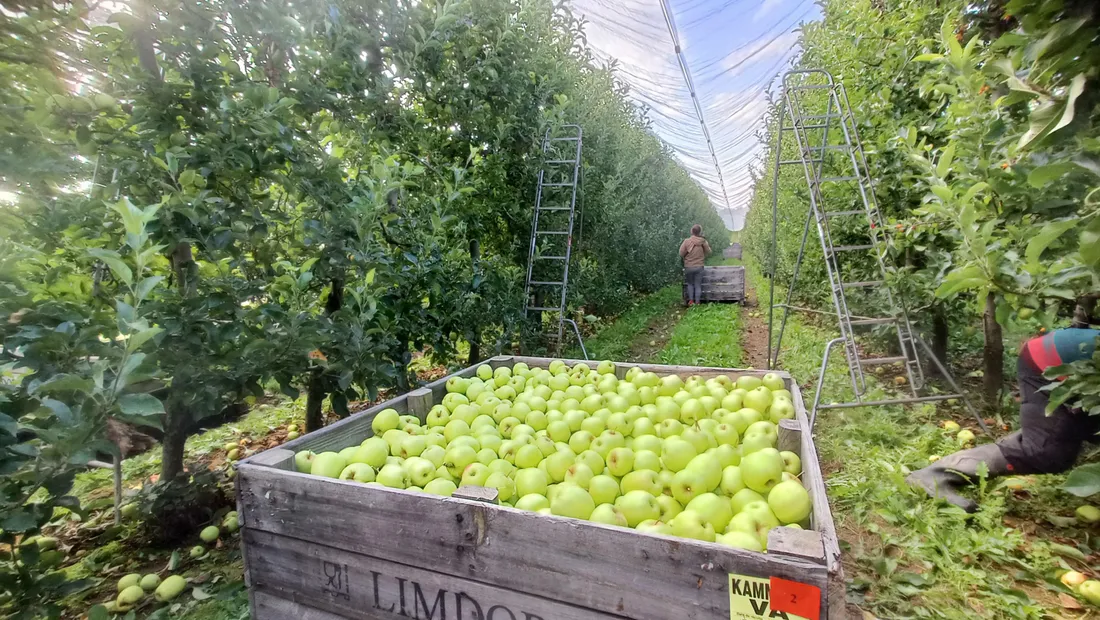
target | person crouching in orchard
[
  {"x": 1045, "y": 444},
  {"x": 694, "y": 251}
]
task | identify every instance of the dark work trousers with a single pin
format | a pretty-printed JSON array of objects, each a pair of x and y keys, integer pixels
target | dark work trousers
[
  {"x": 1046, "y": 444},
  {"x": 693, "y": 276}
]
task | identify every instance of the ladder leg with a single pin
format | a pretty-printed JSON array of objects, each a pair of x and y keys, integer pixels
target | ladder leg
[{"x": 821, "y": 379}]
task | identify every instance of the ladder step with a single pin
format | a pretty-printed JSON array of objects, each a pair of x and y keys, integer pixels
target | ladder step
[
  {"x": 812, "y": 87},
  {"x": 536, "y": 282},
  {"x": 558, "y": 184},
  {"x": 561, "y": 161},
  {"x": 818, "y": 126},
  {"x": 543, "y": 309},
  {"x": 878, "y": 321},
  {"x": 837, "y": 179},
  {"x": 892, "y": 401},
  {"x": 851, "y": 248},
  {"x": 861, "y": 284},
  {"x": 878, "y": 361},
  {"x": 564, "y": 139},
  {"x": 787, "y": 162},
  {"x": 844, "y": 213},
  {"x": 551, "y": 232},
  {"x": 555, "y": 208},
  {"x": 549, "y": 258}
]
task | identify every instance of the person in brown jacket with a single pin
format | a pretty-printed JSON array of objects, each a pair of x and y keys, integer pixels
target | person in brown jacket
[{"x": 694, "y": 251}]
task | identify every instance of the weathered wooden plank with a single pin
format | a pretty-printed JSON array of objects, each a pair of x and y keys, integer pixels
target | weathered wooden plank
[
  {"x": 790, "y": 437},
  {"x": 607, "y": 569},
  {"x": 488, "y": 495},
  {"x": 267, "y": 606},
  {"x": 791, "y": 542},
  {"x": 420, "y": 401},
  {"x": 347, "y": 432},
  {"x": 352, "y": 585}
]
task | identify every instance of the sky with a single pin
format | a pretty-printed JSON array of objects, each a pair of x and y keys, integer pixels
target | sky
[{"x": 735, "y": 51}]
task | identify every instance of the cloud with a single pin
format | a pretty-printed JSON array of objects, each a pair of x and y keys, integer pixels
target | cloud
[
  {"x": 764, "y": 51},
  {"x": 767, "y": 6}
]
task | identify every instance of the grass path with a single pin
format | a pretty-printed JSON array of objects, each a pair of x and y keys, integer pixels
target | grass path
[{"x": 639, "y": 333}]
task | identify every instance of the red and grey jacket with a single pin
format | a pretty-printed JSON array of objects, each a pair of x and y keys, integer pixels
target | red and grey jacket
[{"x": 1062, "y": 346}]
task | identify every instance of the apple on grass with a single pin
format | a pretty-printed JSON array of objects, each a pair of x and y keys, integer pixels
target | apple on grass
[
  {"x": 1088, "y": 514},
  {"x": 1091, "y": 591},
  {"x": 1071, "y": 579}
]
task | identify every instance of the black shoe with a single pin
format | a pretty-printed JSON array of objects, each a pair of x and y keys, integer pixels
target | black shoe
[{"x": 944, "y": 478}]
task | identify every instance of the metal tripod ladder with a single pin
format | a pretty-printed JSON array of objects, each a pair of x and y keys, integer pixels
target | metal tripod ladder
[
  {"x": 552, "y": 245},
  {"x": 831, "y": 155}
]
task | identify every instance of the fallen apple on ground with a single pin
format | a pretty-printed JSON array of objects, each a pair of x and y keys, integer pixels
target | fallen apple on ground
[{"x": 691, "y": 457}]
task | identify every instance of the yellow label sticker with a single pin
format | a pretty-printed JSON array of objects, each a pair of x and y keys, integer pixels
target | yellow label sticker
[{"x": 750, "y": 599}]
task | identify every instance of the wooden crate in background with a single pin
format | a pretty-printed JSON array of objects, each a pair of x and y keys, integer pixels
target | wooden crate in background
[
  {"x": 733, "y": 250},
  {"x": 323, "y": 549},
  {"x": 722, "y": 283}
]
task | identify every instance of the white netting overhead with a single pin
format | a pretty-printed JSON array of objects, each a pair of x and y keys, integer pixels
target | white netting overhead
[{"x": 732, "y": 51}]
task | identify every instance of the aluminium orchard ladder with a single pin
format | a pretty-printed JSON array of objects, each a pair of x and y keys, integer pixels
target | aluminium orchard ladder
[
  {"x": 815, "y": 111},
  {"x": 552, "y": 233}
]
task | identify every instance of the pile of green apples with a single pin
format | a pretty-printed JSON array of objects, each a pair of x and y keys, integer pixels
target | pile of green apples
[{"x": 694, "y": 458}]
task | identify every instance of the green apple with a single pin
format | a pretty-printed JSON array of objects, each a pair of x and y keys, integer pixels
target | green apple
[
  {"x": 734, "y": 400},
  {"x": 669, "y": 428},
  {"x": 608, "y": 515},
  {"x": 742, "y": 418},
  {"x": 506, "y": 488},
  {"x": 1088, "y": 514},
  {"x": 393, "y": 476},
  {"x": 593, "y": 459},
  {"x": 651, "y": 443},
  {"x": 303, "y": 461},
  {"x": 570, "y": 500},
  {"x": 581, "y": 441},
  {"x": 781, "y": 409},
  {"x": 755, "y": 443},
  {"x": 965, "y": 437},
  {"x": 764, "y": 428},
  {"x": 533, "y": 502},
  {"x": 654, "y": 527},
  {"x": 606, "y": 367},
  {"x": 604, "y": 489},
  {"x": 385, "y": 420},
  {"x": 698, "y": 438},
  {"x": 762, "y": 469},
  {"x": 713, "y": 509},
  {"x": 638, "y": 506},
  {"x": 690, "y": 524},
  {"x": 456, "y": 428},
  {"x": 458, "y": 458},
  {"x": 739, "y": 540},
  {"x": 347, "y": 453},
  {"x": 557, "y": 464},
  {"x": 669, "y": 507},
  {"x": 528, "y": 456},
  {"x": 666, "y": 409},
  {"x": 328, "y": 464},
  {"x": 791, "y": 463},
  {"x": 743, "y": 498},
  {"x": 507, "y": 426},
  {"x": 559, "y": 431},
  {"x": 475, "y": 475},
  {"x": 489, "y": 441},
  {"x": 485, "y": 372},
  {"x": 373, "y": 451},
  {"x": 1091, "y": 591},
  {"x": 503, "y": 467},
  {"x": 664, "y": 481},
  {"x": 643, "y": 427},
  {"x": 749, "y": 382},
  {"x": 773, "y": 382},
  {"x": 687, "y": 484},
  {"x": 421, "y": 471},
  {"x": 727, "y": 454},
  {"x": 574, "y": 417},
  {"x": 465, "y": 413},
  {"x": 486, "y": 456},
  {"x": 620, "y": 461},
  {"x": 458, "y": 385},
  {"x": 710, "y": 403},
  {"x": 641, "y": 480},
  {"x": 669, "y": 385},
  {"x": 579, "y": 474},
  {"x": 643, "y": 459},
  {"x": 545, "y": 444},
  {"x": 557, "y": 367},
  {"x": 531, "y": 481},
  {"x": 692, "y": 411},
  {"x": 359, "y": 472},
  {"x": 731, "y": 481},
  {"x": 710, "y": 468},
  {"x": 951, "y": 426},
  {"x": 441, "y": 487},
  {"x": 676, "y": 453},
  {"x": 789, "y": 502},
  {"x": 413, "y": 445},
  {"x": 726, "y": 434}
]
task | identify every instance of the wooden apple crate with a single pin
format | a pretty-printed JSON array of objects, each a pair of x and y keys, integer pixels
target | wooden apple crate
[
  {"x": 732, "y": 251},
  {"x": 324, "y": 549},
  {"x": 721, "y": 283}
]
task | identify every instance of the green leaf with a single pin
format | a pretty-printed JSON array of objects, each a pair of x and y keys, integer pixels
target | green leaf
[
  {"x": 145, "y": 286},
  {"x": 1083, "y": 481},
  {"x": 98, "y": 612},
  {"x": 1049, "y": 233},
  {"x": 62, "y": 383},
  {"x": 112, "y": 259},
  {"x": 140, "y": 405},
  {"x": 140, "y": 337},
  {"x": 928, "y": 58},
  {"x": 1043, "y": 175},
  {"x": 1089, "y": 244},
  {"x": 950, "y": 43},
  {"x": 968, "y": 277},
  {"x": 944, "y": 165},
  {"x": 943, "y": 193},
  {"x": 1076, "y": 87},
  {"x": 187, "y": 178}
]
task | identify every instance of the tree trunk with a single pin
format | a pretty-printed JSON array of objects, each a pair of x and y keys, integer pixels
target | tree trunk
[
  {"x": 993, "y": 357},
  {"x": 315, "y": 390},
  {"x": 940, "y": 333},
  {"x": 176, "y": 428},
  {"x": 315, "y": 399},
  {"x": 475, "y": 340}
]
